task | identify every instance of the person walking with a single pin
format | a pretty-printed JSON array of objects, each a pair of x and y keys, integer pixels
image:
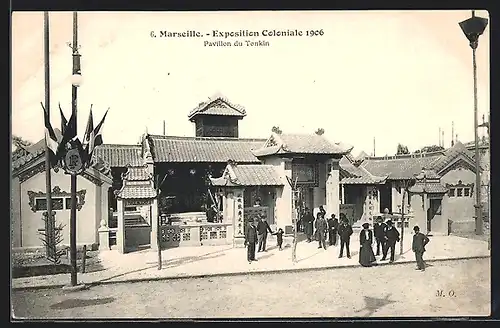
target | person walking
[
  {"x": 308, "y": 220},
  {"x": 262, "y": 230},
  {"x": 391, "y": 238},
  {"x": 333, "y": 226},
  {"x": 418, "y": 247},
  {"x": 345, "y": 232},
  {"x": 251, "y": 240},
  {"x": 321, "y": 229},
  {"x": 366, "y": 256},
  {"x": 379, "y": 231}
]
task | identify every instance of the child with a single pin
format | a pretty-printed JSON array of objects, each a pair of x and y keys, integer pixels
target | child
[{"x": 279, "y": 237}]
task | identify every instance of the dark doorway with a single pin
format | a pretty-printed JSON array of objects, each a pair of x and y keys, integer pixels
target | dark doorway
[
  {"x": 385, "y": 197},
  {"x": 307, "y": 197},
  {"x": 434, "y": 209}
]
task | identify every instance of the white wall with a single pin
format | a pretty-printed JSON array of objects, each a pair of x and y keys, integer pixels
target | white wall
[{"x": 88, "y": 218}]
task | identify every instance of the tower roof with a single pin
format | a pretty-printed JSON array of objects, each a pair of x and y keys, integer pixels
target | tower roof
[{"x": 217, "y": 105}]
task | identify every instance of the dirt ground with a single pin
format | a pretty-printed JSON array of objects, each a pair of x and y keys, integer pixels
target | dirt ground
[
  {"x": 450, "y": 288},
  {"x": 34, "y": 259}
]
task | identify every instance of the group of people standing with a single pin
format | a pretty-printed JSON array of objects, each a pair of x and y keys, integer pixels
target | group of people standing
[
  {"x": 320, "y": 229},
  {"x": 385, "y": 234},
  {"x": 256, "y": 234},
  {"x": 386, "y": 237}
]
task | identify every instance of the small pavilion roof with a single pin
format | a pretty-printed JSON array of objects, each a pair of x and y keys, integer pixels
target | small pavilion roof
[
  {"x": 248, "y": 175},
  {"x": 137, "y": 184}
]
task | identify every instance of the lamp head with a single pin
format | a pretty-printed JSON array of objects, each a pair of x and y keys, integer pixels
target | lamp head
[
  {"x": 76, "y": 79},
  {"x": 473, "y": 28}
]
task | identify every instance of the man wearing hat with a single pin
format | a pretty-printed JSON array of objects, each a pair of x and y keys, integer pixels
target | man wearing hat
[
  {"x": 418, "y": 247},
  {"x": 379, "y": 231},
  {"x": 321, "y": 229},
  {"x": 308, "y": 222},
  {"x": 251, "y": 239},
  {"x": 333, "y": 225},
  {"x": 391, "y": 237},
  {"x": 262, "y": 230},
  {"x": 345, "y": 232}
]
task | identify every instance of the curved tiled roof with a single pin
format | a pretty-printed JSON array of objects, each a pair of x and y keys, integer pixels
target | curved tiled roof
[
  {"x": 203, "y": 150},
  {"x": 217, "y": 105},
  {"x": 400, "y": 167},
  {"x": 137, "y": 173},
  {"x": 32, "y": 152},
  {"x": 434, "y": 187},
  {"x": 249, "y": 175},
  {"x": 137, "y": 184},
  {"x": 352, "y": 174},
  {"x": 120, "y": 155},
  {"x": 299, "y": 144},
  {"x": 450, "y": 154}
]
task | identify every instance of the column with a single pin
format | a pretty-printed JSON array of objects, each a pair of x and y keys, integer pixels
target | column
[
  {"x": 285, "y": 215},
  {"x": 332, "y": 190},
  {"x": 229, "y": 208},
  {"x": 120, "y": 233},
  {"x": 154, "y": 225},
  {"x": 342, "y": 193},
  {"x": 394, "y": 200}
]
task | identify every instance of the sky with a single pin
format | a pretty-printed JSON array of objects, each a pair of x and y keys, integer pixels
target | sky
[{"x": 396, "y": 76}]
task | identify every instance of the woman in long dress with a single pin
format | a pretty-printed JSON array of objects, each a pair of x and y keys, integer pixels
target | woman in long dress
[{"x": 366, "y": 256}]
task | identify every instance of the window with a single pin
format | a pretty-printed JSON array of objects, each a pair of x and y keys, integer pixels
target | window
[
  {"x": 41, "y": 204},
  {"x": 466, "y": 192},
  {"x": 68, "y": 203},
  {"x": 57, "y": 204},
  {"x": 459, "y": 192},
  {"x": 451, "y": 193}
]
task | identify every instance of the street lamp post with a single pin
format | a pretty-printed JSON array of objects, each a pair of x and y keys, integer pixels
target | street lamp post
[
  {"x": 473, "y": 28},
  {"x": 75, "y": 81}
]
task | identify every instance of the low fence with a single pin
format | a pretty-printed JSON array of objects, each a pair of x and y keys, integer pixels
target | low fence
[{"x": 196, "y": 234}]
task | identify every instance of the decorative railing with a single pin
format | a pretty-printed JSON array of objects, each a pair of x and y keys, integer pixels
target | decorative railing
[{"x": 196, "y": 234}]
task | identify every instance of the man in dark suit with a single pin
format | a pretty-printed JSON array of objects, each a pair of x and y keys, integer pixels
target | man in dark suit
[
  {"x": 321, "y": 228},
  {"x": 333, "y": 225},
  {"x": 418, "y": 246},
  {"x": 379, "y": 231},
  {"x": 251, "y": 240},
  {"x": 391, "y": 238},
  {"x": 345, "y": 232},
  {"x": 308, "y": 221},
  {"x": 262, "y": 230}
]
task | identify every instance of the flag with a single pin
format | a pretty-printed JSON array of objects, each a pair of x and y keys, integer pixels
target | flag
[
  {"x": 50, "y": 137},
  {"x": 88, "y": 137},
  {"x": 98, "y": 131},
  {"x": 64, "y": 121},
  {"x": 68, "y": 134}
]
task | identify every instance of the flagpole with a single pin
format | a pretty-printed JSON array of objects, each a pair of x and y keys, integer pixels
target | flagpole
[
  {"x": 49, "y": 219},
  {"x": 75, "y": 70}
]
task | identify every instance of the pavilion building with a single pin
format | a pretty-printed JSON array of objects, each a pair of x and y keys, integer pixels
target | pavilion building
[{"x": 166, "y": 184}]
